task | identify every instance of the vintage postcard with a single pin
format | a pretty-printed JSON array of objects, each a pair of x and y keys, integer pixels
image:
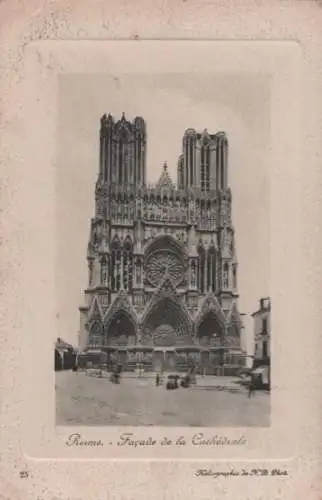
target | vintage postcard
[
  {"x": 164, "y": 269},
  {"x": 161, "y": 324}
]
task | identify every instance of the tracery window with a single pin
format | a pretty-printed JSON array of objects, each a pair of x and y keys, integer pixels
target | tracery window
[{"x": 162, "y": 263}]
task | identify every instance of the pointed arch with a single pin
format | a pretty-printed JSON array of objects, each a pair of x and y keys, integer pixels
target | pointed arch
[
  {"x": 209, "y": 328},
  {"x": 95, "y": 312},
  {"x": 167, "y": 312},
  {"x": 94, "y": 324},
  {"x": 120, "y": 319},
  {"x": 120, "y": 328},
  {"x": 166, "y": 292},
  {"x": 210, "y": 304},
  {"x": 164, "y": 241},
  {"x": 96, "y": 332},
  {"x": 165, "y": 309}
]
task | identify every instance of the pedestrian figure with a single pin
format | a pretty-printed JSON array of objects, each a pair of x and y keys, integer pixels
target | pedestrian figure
[
  {"x": 75, "y": 367},
  {"x": 251, "y": 387},
  {"x": 157, "y": 380}
]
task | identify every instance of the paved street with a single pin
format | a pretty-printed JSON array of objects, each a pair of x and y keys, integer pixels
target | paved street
[{"x": 215, "y": 401}]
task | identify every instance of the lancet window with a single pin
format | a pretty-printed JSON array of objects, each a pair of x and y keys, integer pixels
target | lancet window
[
  {"x": 138, "y": 160},
  {"x": 211, "y": 269},
  {"x": 104, "y": 271},
  {"x": 226, "y": 275},
  {"x": 201, "y": 268},
  {"x": 138, "y": 268},
  {"x": 193, "y": 274},
  {"x": 180, "y": 173},
  {"x": 234, "y": 276},
  {"x": 90, "y": 272},
  {"x": 127, "y": 265},
  {"x": 116, "y": 264},
  {"x": 205, "y": 168},
  {"x": 191, "y": 162},
  {"x": 121, "y": 155}
]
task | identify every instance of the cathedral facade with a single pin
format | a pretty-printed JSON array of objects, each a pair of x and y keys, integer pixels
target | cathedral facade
[{"x": 162, "y": 265}]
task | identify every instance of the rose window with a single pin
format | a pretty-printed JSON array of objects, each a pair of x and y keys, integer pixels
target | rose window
[{"x": 163, "y": 263}]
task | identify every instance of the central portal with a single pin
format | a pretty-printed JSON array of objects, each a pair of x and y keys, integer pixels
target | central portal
[
  {"x": 170, "y": 361},
  {"x": 165, "y": 326},
  {"x": 164, "y": 360}
]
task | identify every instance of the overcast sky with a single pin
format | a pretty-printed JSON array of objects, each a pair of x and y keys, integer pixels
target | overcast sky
[{"x": 236, "y": 104}]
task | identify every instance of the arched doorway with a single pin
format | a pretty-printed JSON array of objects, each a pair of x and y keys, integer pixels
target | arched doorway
[
  {"x": 120, "y": 332},
  {"x": 169, "y": 314},
  {"x": 210, "y": 334},
  {"x": 165, "y": 325}
]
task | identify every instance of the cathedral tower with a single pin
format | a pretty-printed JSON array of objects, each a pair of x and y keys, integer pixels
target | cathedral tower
[
  {"x": 122, "y": 151},
  {"x": 204, "y": 161}
]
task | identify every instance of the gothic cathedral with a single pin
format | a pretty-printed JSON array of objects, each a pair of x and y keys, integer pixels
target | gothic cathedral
[{"x": 162, "y": 265}]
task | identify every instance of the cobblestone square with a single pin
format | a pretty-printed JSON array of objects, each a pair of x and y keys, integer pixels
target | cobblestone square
[{"x": 214, "y": 402}]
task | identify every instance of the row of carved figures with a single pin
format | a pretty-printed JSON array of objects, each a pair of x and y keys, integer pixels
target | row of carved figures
[{"x": 165, "y": 210}]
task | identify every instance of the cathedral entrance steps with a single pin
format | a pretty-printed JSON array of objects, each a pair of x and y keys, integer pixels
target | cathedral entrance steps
[{"x": 151, "y": 358}]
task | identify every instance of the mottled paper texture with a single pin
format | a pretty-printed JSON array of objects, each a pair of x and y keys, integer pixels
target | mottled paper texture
[{"x": 54, "y": 56}]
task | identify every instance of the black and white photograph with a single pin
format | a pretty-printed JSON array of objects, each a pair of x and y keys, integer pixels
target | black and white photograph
[
  {"x": 163, "y": 251},
  {"x": 161, "y": 206}
]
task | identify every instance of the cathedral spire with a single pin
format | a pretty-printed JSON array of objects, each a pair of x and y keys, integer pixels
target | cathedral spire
[{"x": 165, "y": 179}]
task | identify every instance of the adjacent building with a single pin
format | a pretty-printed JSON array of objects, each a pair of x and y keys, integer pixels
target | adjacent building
[
  {"x": 65, "y": 355},
  {"x": 162, "y": 264},
  {"x": 262, "y": 332},
  {"x": 247, "y": 340}
]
